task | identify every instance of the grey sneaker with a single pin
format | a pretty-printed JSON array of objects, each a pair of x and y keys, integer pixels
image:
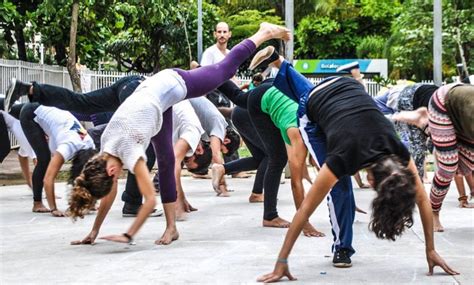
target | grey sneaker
[
  {"x": 264, "y": 57},
  {"x": 14, "y": 92},
  {"x": 348, "y": 66}
]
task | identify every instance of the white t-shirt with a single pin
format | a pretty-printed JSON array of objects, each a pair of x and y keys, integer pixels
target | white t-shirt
[
  {"x": 140, "y": 117},
  {"x": 212, "y": 121},
  {"x": 14, "y": 126},
  {"x": 186, "y": 126},
  {"x": 66, "y": 135},
  {"x": 393, "y": 95},
  {"x": 212, "y": 55}
]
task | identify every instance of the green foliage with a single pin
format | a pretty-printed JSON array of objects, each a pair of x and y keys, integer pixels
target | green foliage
[
  {"x": 8, "y": 13},
  {"x": 153, "y": 36},
  {"x": 324, "y": 37},
  {"x": 371, "y": 47},
  {"x": 340, "y": 28},
  {"x": 147, "y": 36},
  {"x": 411, "y": 44},
  {"x": 379, "y": 9},
  {"x": 247, "y": 22},
  {"x": 385, "y": 82}
]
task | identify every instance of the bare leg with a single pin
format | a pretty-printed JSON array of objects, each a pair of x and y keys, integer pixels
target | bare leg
[
  {"x": 418, "y": 118},
  {"x": 463, "y": 201},
  {"x": 470, "y": 183},
  {"x": 437, "y": 227},
  {"x": 306, "y": 175},
  {"x": 426, "y": 180},
  {"x": 25, "y": 169},
  {"x": 171, "y": 232},
  {"x": 276, "y": 223},
  {"x": 359, "y": 181},
  {"x": 180, "y": 210}
]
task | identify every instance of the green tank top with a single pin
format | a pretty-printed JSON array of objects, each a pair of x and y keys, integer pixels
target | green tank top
[{"x": 281, "y": 109}]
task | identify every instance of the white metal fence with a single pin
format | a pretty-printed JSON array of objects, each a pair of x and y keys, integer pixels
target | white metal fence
[{"x": 59, "y": 76}]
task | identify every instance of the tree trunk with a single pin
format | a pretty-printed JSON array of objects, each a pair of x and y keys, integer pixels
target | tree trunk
[
  {"x": 20, "y": 42},
  {"x": 461, "y": 54},
  {"x": 71, "y": 62}
]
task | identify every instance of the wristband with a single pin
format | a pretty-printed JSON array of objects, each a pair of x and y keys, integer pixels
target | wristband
[
  {"x": 129, "y": 237},
  {"x": 282, "y": 260}
]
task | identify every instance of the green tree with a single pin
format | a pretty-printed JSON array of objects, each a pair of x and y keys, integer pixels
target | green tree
[
  {"x": 153, "y": 35},
  {"x": 247, "y": 22},
  {"x": 339, "y": 29},
  {"x": 371, "y": 47},
  {"x": 14, "y": 16},
  {"x": 410, "y": 47},
  {"x": 96, "y": 23}
]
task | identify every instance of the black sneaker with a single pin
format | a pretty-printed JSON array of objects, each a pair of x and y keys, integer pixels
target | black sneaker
[
  {"x": 341, "y": 258},
  {"x": 264, "y": 57},
  {"x": 130, "y": 210},
  {"x": 14, "y": 92}
]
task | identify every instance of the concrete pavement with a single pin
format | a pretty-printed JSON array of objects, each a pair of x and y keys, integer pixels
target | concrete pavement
[{"x": 221, "y": 243}]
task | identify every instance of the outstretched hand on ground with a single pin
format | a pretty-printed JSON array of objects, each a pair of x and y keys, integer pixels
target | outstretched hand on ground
[
  {"x": 435, "y": 260},
  {"x": 89, "y": 239},
  {"x": 281, "y": 270}
]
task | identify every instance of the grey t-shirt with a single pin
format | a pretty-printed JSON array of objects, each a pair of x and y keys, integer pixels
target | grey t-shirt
[{"x": 212, "y": 121}]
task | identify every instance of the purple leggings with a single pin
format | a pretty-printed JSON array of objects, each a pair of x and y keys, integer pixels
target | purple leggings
[{"x": 198, "y": 82}]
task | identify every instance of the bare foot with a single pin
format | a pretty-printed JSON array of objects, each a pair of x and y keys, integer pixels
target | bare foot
[
  {"x": 256, "y": 198},
  {"x": 276, "y": 223},
  {"x": 463, "y": 203},
  {"x": 218, "y": 172},
  {"x": 310, "y": 231},
  {"x": 181, "y": 214},
  {"x": 437, "y": 227},
  {"x": 223, "y": 193},
  {"x": 241, "y": 175},
  {"x": 188, "y": 208},
  {"x": 39, "y": 207},
  {"x": 275, "y": 31},
  {"x": 168, "y": 237}
]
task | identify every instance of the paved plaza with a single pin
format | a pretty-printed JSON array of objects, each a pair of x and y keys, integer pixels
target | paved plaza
[{"x": 221, "y": 243}]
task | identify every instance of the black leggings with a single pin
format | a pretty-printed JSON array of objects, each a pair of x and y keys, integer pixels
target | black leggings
[
  {"x": 270, "y": 136},
  {"x": 4, "y": 139},
  {"x": 37, "y": 139},
  {"x": 106, "y": 99},
  {"x": 274, "y": 148},
  {"x": 258, "y": 160}
]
